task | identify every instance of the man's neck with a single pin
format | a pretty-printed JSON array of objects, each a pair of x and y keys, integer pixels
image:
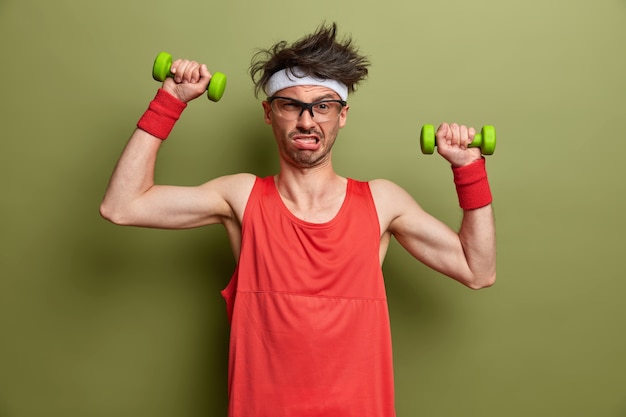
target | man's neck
[{"x": 312, "y": 194}]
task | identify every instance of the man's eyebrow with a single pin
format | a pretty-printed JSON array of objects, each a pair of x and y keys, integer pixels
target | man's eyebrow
[{"x": 327, "y": 96}]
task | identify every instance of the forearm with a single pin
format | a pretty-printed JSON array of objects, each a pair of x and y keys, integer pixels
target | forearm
[
  {"x": 132, "y": 177},
  {"x": 478, "y": 239},
  {"x": 477, "y": 232}
]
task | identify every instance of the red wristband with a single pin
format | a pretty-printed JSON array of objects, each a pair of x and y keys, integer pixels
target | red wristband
[
  {"x": 472, "y": 185},
  {"x": 162, "y": 114}
]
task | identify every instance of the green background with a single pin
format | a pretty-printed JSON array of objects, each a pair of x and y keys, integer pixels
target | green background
[{"x": 98, "y": 320}]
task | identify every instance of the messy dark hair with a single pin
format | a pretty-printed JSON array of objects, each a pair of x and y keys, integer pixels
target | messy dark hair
[{"x": 319, "y": 55}]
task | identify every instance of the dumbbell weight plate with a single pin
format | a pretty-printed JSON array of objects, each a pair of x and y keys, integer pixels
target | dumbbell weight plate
[
  {"x": 217, "y": 85},
  {"x": 161, "y": 67},
  {"x": 427, "y": 139},
  {"x": 489, "y": 140}
]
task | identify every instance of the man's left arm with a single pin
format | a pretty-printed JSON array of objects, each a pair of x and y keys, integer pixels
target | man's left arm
[
  {"x": 469, "y": 255},
  {"x": 477, "y": 232}
]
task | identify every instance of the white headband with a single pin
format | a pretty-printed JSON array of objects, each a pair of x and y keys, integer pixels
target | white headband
[{"x": 291, "y": 77}]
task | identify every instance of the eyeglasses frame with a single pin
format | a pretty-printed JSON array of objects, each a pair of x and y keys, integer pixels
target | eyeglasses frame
[{"x": 307, "y": 106}]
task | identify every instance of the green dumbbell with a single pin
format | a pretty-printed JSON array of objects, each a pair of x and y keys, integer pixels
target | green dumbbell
[
  {"x": 161, "y": 70},
  {"x": 485, "y": 140}
]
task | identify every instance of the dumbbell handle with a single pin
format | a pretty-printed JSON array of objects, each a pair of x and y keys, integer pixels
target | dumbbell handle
[
  {"x": 161, "y": 69},
  {"x": 485, "y": 140}
]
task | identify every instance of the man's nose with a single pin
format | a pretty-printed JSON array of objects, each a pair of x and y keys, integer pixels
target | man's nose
[{"x": 306, "y": 117}]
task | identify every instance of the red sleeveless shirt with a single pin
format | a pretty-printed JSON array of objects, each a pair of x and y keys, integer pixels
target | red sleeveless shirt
[{"x": 310, "y": 334}]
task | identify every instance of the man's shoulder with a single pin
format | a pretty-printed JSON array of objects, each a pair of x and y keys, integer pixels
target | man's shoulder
[
  {"x": 391, "y": 200},
  {"x": 384, "y": 186},
  {"x": 233, "y": 187},
  {"x": 238, "y": 180}
]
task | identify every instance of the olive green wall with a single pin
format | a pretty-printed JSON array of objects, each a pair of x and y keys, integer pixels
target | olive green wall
[{"x": 98, "y": 320}]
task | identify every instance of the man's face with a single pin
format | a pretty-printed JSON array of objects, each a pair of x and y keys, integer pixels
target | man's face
[{"x": 304, "y": 141}]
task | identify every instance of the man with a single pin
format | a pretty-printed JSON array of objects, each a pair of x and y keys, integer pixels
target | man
[{"x": 309, "y": 321}]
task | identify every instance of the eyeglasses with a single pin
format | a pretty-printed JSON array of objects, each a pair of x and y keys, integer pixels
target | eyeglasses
[{"x": 292, "y": 109}]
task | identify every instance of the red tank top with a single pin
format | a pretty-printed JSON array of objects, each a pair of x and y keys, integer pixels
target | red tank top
[{"x": 310, "y": 334}]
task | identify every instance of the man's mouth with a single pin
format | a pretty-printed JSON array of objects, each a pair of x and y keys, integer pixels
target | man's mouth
[{"x": 307, "y": 142}]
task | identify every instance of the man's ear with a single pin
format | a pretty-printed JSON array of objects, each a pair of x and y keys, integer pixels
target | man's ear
[
  {"x": 267, "y": 109},
  {"x": 343, "y": 116}
]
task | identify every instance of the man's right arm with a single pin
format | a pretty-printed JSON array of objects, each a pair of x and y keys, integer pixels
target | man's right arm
[{"x": 132, "y": 198}]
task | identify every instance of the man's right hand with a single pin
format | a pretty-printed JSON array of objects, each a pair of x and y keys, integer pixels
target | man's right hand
[{"x": 190, "y": 80}]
